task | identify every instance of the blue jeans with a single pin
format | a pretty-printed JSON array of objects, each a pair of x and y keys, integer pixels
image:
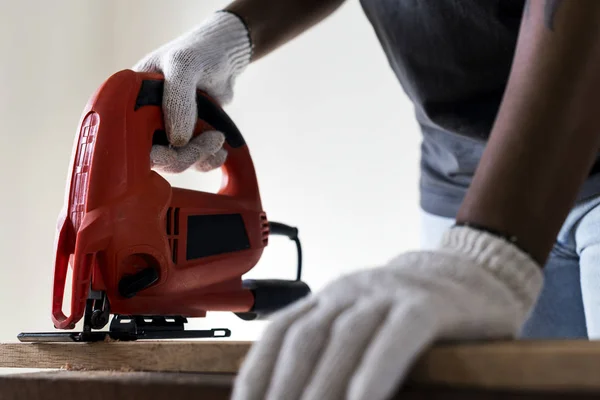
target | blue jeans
[{"x": 569, "y": 305}]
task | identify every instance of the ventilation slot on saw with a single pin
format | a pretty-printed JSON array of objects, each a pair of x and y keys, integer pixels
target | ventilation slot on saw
[
  {"x": 176, "y": 222},
  {"x": 264, "y": 228},
  {"x": 174, "y": 250},
  {"x": 172, "y": 222},
  {"x": 169, "y": 220}
]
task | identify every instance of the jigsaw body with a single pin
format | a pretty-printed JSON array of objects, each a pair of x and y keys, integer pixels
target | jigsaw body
[{"x": 138, "y": 247}]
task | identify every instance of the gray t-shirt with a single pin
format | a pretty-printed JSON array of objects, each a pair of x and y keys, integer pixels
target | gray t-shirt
[{"x": 453, "y": 59}]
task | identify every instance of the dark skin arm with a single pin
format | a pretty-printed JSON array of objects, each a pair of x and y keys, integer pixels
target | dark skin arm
[
  {"x": 273, "y": 23},
  {"x": 547, "y": 132}
]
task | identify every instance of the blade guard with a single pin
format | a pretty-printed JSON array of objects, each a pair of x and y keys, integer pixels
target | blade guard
[{"x": 78, "y": 243}]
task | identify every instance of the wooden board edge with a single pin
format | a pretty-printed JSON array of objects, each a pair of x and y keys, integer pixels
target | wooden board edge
[{"x": 534, "y": 365}]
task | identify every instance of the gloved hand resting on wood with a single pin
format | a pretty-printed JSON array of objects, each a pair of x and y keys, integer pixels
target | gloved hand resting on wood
[{"x": 357, "y": 338}]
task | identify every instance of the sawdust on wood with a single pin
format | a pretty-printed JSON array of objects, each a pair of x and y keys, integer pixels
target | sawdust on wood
[{"x": 70, "y": 367}]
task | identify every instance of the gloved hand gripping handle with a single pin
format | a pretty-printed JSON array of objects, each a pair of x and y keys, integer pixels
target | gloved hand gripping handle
[{"x": 239, "y": 176}]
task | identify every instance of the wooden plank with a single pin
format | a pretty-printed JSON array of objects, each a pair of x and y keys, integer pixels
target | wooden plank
[
  {"x": 100, "y": 385},
  {"x": 525, "y": 365},
  {"x": 508, "y": 365},
  {"x": 166, "y": 356}
]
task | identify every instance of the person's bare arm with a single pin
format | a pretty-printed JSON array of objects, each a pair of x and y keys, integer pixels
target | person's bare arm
[
  {"x": 273, "y": 23},
  {"x": 547, "y": 132}
]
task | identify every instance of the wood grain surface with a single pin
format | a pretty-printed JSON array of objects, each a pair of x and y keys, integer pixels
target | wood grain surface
[
  {"x": 523, "y": 365},
  {"x": 102, "y": 385},
  {"x": 510, "y": 365},
  {"x": 166, "y": 356}
]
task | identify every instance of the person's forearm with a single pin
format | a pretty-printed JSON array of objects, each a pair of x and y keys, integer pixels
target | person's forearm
[
  {"x": 547, "y": 132},
  {"x": 273, "y": 23}
]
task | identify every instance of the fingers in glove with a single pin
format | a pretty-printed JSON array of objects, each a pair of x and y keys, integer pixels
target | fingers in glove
[
  {"x": 212, "y": 162},
  {"x": 162, "y": 156},
  {"x": 403, "y": 337},
  {"x": 301, "y": 351},
  {"x": 255, "y": 373},
  {"x": 209, "y": 142},
  {"x": 198, "y": 150},
  {"x": 179, "y": 103},
  {"x": 351, "y": 334}
]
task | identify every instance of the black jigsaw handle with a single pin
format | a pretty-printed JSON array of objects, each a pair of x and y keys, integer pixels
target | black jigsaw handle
[{"x": 271, "y": 295}]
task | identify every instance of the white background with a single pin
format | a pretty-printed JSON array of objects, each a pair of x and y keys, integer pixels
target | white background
[{"x": 330, "y": 130}]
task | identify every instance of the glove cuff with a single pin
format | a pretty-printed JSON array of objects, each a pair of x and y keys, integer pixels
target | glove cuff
[{"x": 521, "y": 274}]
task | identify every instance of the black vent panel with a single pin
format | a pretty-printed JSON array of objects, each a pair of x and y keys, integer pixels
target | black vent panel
[{"x": 210, "y": 235}]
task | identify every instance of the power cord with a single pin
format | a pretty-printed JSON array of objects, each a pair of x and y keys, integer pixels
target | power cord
[{"x": 277, "y": 228}]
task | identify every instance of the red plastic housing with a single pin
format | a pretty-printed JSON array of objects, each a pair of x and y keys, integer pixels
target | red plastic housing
[{"x": 121, "y": 217}]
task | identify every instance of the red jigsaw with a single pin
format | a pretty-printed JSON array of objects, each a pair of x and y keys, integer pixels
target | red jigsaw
[{"x": 151, "y": 254}]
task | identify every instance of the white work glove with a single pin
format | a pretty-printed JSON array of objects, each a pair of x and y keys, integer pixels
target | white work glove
[
  {"x": 209, "y": 58},
  {"x": 358, "y": 337}
]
